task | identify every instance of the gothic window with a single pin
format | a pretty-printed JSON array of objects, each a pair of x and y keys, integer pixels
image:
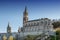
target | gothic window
[
  {"x": 41, "y": 22},
  {"x": 32, "y": 29},
  {"x": 34, "y": 24},
  {"x": 48, "y": 23},
  {"x": 29, "y": 25},
  {"x": 45, "y": 23},
  {"x": 37, "y": 23}
]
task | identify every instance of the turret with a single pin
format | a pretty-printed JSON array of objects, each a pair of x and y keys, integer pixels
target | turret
[{"x": 8, "y": 28}]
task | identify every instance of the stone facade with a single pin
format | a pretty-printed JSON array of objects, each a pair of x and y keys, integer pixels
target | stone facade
[{"x": 38, "y": 26}]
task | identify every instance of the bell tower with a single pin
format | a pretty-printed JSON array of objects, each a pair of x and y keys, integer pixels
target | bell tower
[{"x": 25, "y": 16}]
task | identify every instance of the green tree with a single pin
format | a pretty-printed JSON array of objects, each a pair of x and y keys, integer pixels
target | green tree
[
  {"x": 58, "y": 34},
  {"x": 56, "y": 24},
  {"x": 29, "y": 37},
  {"x": 52, "y": 37}
]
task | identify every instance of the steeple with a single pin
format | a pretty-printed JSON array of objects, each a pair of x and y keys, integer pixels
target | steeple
[
  {"x": 8, "y": 28},
  {"x": 25, "y": 15},
  {"x": 25, "y": 9}
]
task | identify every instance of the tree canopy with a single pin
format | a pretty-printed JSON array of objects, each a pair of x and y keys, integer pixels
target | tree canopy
[{"x": 56, "y": 24}]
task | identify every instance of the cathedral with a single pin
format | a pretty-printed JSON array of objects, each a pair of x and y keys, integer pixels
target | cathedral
[
  {"x": 30, "y": 27},
  {"x": 37, "y": 26}
]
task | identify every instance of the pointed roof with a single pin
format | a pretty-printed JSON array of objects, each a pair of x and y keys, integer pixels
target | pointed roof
[
  {"x": 25, "y": 8},
  {"x": 8, "y": 25},
  {"x": 25, "y": 11}
]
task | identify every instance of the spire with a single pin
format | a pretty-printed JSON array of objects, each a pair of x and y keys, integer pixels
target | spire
[
  {"x": 25, "y": 15},
  {"x": 8, "y": 28},
  {"x": 25, "y": 12},
  {"x": 25, "y": 8},
  {"x": 8, "y": 24}
]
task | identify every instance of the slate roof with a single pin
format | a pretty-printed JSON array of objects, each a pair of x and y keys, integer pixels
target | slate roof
[{"x": 38, "y": 19}]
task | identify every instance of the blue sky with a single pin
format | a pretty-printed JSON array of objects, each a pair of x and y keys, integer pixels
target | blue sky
[{"x": 12, "y": 11}]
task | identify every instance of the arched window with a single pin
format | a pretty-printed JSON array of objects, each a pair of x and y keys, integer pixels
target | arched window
[
  {"x": 48, "y": 22},
  {"x": 41, "y": 23},
  {"x": 45, "y": 23},
  {"x": 34, "y": 24},
  {"x": 29, "y": 25},
  {"x": 37, "y": 23}
]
